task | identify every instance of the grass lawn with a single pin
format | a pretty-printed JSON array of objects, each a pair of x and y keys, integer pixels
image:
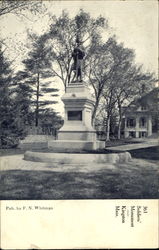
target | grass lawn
[
  {"x": 105, "y": 184},
  {"x": 116, "y": 142},
  {"x": 123, "y": 182},
  {"x": 151, "y": 153}
]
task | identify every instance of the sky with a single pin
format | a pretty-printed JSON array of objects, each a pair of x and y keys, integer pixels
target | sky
[{"x": 135, "y": 23}]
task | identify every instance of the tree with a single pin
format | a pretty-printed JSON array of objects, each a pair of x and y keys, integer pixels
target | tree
[
  {"x": 22, "y": 100},
  {"x": 106, "y": 119},
  {"x": 127, "y": 78},
  {"x": 50, "y": 121},
  {"x": 109, "y": 103},
  {"x": 98, "y": 70},
  {"x": 62, "y": 39},
  {"x": 5, "y": 100},
  {"x": 38, "y": 75},
  {"x": 17, "y": 7},
  {"x": 9, "y": 131},
  {"x": 115, "y": 78}
]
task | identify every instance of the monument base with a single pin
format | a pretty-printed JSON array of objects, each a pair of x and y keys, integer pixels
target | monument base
[
  {"x": 74, "y": 146},
  {"x": 77, "y": 135},
  {"x": 63, "y": 158}
]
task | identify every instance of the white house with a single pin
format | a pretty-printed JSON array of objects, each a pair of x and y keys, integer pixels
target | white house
[{"x": 142, "y": 115}]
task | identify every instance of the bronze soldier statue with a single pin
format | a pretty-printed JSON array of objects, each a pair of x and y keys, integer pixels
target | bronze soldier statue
[{"x": 77, "y": 55}]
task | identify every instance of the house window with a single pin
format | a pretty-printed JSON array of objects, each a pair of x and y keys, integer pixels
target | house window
[
  {"x": 142, "y": 122},
  {"x": 75, "y": 115},
  {"x": 142, "y": 134},
  {"x": 132, "y": 134},
  {"x": 131, "y": 122},
  {"x": 143, "y": 107}
]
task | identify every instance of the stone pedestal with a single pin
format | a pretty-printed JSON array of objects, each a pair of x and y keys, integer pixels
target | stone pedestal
[
  {"x": 77, "y": 132},
  {"x": 78, "y": 111}
]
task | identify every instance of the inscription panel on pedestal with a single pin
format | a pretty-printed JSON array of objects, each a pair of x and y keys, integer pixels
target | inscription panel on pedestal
[{"x": 74, "y": 115}]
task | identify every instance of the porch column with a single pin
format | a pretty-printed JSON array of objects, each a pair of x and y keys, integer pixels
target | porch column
[
  {"x": 149, "y": 125},
  {"x": 126, "y": 133},
  {"x": 137, "y": 127}
]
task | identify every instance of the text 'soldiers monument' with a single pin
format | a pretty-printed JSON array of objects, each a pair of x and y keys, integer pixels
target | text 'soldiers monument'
[{"x": 77, "y": 132}]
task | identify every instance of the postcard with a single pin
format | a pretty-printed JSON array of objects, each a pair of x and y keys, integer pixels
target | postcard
[{"x": 79, "y": 124}]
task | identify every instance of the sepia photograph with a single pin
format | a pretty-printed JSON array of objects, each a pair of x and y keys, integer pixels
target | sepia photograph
[
  {"x": 79, "y": 100},
  {"x": 79, "y": 105}
]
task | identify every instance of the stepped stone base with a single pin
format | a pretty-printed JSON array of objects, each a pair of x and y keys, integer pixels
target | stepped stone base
[
  {"x": 77, "y": 135},
  {"x": 35, "y": 142},
  {"x": 74, "y": 146},
  {"x": 62, "y": 158}
]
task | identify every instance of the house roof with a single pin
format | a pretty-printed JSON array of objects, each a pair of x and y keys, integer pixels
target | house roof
[{"x": 150, "y": 100}]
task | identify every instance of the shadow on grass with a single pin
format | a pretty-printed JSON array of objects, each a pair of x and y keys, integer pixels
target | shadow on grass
[
  {"x": 104, "y": 184},
  {"x": 151, "y": 153}
]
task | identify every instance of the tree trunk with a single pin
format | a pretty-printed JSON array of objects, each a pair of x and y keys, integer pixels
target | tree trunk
[
  {"x": 95, "y": 110},
  {"x": 37, "y": 102},
  {"x": 120, "y": 120},
  {"x": 119, "y": 129},
  {"x": 107, "y": 129}
]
